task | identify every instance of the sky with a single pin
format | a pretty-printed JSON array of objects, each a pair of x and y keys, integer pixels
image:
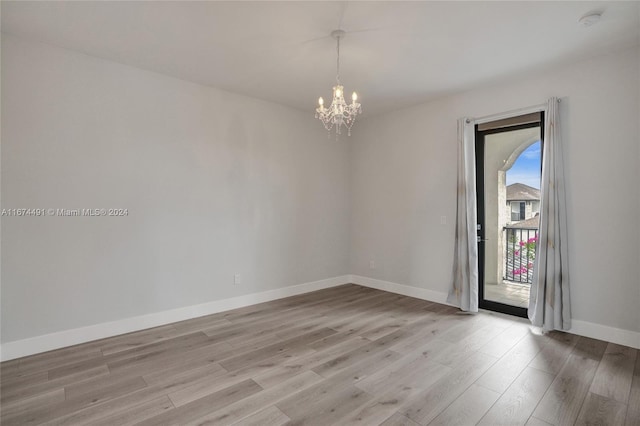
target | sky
[{"x": 526, "y": 169}]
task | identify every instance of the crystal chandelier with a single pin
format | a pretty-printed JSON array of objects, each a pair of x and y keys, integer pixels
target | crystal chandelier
[{"x": 339, "y": 112}]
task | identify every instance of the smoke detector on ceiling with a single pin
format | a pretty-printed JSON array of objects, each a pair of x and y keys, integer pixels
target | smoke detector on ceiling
[{"x": 590, "y": 19}]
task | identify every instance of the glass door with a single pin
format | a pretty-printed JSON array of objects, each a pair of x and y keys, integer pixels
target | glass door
[{"x": 508, "y": 170}]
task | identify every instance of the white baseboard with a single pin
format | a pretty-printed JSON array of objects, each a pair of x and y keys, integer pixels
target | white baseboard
[
  {"x": 47, "y": 342},
  {"x": 581, "y": 328},
  {"x": 406, "y": 290},
  {"x": 602, "y": 332}
]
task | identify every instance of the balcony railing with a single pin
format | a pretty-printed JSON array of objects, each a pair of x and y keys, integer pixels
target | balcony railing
[{"x": 520, "y": 253}]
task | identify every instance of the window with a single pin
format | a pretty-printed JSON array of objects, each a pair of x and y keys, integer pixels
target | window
[{"x": 517, "y": 210}]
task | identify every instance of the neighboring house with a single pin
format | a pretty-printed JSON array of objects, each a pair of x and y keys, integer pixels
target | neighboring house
[
  {"x": 522, "y": 222},
  {"x": 523, "y": 202},
  {"x": 531, "y": 223}
]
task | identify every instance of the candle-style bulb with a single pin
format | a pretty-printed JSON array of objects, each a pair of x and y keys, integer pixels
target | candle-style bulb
[
  {"x": 354, "y": 97},
  {"x": 321, "y": 101}
]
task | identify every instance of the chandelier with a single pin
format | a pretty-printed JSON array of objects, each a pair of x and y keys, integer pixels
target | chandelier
[{"x": 339, "y": 113}]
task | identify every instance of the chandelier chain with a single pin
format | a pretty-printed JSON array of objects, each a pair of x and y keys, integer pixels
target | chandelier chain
[{"x": 338, "y": 61}]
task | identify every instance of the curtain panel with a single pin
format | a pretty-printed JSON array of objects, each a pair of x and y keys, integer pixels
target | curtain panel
[
  {"x": 549, "y": 300},
  {"x": 464, "y": 290}
]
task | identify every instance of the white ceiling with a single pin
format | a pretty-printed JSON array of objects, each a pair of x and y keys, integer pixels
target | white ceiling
[{"x": 395, "y": 54}]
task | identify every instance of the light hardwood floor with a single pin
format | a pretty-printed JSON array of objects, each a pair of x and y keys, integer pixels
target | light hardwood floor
[{"x": 342, "y": 356}]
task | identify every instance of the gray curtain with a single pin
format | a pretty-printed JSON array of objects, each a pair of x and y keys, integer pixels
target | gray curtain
[
  {"x": 549, "y": 302},
  {"x": 464, "y": 291}
]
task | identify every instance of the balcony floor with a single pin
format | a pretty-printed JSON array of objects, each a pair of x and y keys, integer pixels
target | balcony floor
[{"x": 508, "y": 293}]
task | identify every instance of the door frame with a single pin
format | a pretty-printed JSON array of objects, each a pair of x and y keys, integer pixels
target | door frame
[{"x": 479, "y": 151}]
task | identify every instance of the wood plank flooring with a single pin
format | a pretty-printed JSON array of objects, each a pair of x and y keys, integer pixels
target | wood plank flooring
[{"x": 344, "y": 356}]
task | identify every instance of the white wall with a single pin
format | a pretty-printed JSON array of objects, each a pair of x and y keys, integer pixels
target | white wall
[
  {"x": 403, "y": 172},
  {"x": 215, "y": 184}
]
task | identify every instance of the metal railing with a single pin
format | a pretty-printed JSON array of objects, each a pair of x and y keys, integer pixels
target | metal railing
[{"x": 520, "y": 253}]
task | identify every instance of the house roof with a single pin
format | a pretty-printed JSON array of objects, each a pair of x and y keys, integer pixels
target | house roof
[
  {"x": 522, "y": 192},
  {"x": 531, "y": 223}
]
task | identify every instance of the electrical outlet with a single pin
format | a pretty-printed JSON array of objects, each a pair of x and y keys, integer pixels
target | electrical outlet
[
  {"x": 372, "y": 264},
  {"x": 236, "y": 279}
]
